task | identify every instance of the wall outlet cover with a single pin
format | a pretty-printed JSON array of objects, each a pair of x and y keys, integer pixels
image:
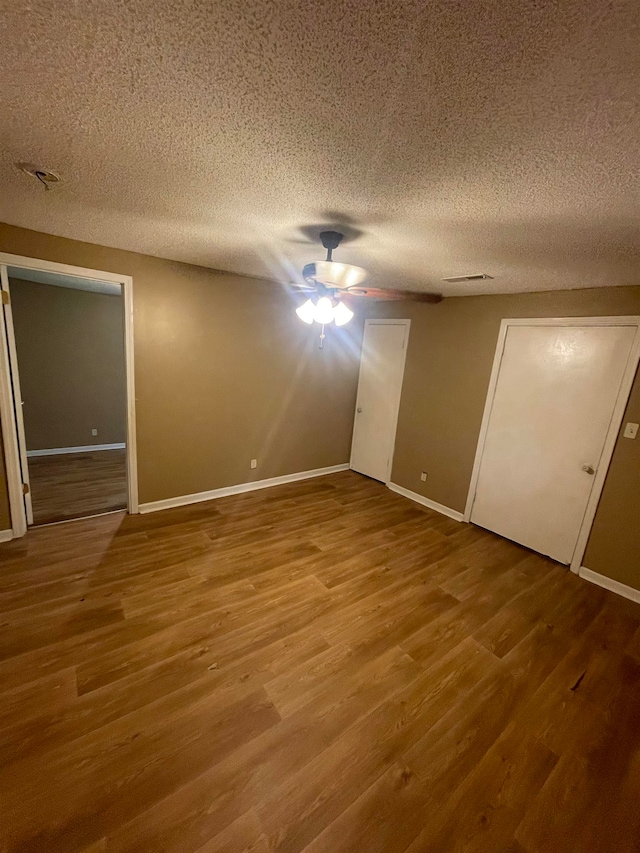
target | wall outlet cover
[
  {"x": 423, "y": 476},
  {"x": 254, "y": 463},
  {"x": 631, "y": 430},
  {"x": 94, "y": 432}
]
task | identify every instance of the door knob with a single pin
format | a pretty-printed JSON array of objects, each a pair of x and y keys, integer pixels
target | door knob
[
  {"x": 588, "y": 469},
  {"x": 359, "y": 410}
]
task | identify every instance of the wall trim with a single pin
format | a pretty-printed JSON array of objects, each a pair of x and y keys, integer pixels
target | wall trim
[
  {"x": 81, "y": 448},
  {"x": 420, "y": 499},
  {"x": 6, "y": 535},
  {"x": 240, "y": 488},
  {"x": 609, "y": 583}
]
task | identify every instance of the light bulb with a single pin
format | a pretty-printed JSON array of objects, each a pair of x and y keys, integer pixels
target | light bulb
[
  {"x": 324, "y": 311},
  {"x": 342, "y": 314},
  {"x": 306, "y": 312}
]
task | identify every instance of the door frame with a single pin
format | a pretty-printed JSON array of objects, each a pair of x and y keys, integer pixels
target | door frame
[
  {"x": 9, "y": 404},
  {"x": 614, "y": 424},
  {"x": 7, "y": 320},
  {"x": 376, "y": 322}
]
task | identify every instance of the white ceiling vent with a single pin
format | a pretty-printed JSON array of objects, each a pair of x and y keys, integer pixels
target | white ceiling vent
[{"x": 474, "y": 277}]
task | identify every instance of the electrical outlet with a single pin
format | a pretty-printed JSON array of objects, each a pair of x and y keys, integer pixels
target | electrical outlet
[
  {"x": 254, "y": 463},
  {"x": 631, "y": 430},
  {"x": 423, "y": 476},
  {"x": 94, "y": 432}
]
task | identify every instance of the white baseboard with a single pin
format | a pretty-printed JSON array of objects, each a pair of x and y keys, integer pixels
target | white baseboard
[
  {"x": 6, "y": 535},
  {"x": 420, "y": 499},
  {"x": 82, "y": 448},
  {"x": 184, "y": 500},
  {"x": 608, "y": 583}
]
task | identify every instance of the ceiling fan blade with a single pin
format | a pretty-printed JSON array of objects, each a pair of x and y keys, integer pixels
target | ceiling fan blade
[
  {"x": 304, "y": 288},
  {"x": 392, "y": 295}
]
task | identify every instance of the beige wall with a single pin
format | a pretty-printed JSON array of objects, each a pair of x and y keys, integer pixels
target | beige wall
[
  {"x": 225, "y": 372},
  {"x": 614, "y": 545},
  {"x": 449, "y": 359},
  {"x": 70, "y": 347}
]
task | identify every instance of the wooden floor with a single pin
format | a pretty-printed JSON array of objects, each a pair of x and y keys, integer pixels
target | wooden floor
[
  {"x": 74, "y": 485},
  {"x": 321, "y": 667}
]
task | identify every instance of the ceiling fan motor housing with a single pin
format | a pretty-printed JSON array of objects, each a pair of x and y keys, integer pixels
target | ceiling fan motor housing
[
  {"x": 329, "y": 276},
  {"x": 331, "y": 240},
  {"x": 334, "y": 275}
]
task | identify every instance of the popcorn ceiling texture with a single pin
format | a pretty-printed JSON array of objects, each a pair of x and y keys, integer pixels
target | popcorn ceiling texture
[{"x": 450, "y": 137}]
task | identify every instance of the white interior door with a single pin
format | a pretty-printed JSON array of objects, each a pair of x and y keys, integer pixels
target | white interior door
[
  {"x": 379, "y": 388},
  {"x": 554, "y": 399},
  {"x": 16, "y": 394}
]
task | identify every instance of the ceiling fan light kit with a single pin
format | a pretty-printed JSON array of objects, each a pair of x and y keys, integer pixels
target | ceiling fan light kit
[
  {"x": 342, "y": 314},
  {"x": 324, "y": 311},
  {"x": 328, "y": 276}
]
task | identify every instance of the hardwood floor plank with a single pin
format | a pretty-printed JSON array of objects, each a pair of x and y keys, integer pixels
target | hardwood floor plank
[
  {"x": 444, "y": 632},
  {"x": 513, "y": 622},
  {"x": 50, "y": 694},
  {"x": 223, "y": 629},
  {"x": 105, "y": 564},
  {"x": 98, "y": 847},
  {"x": 92, "y": 789},
  {"x": 72, "y": 485},
  {"x": 486, "y": 809},
  {"x": 588, "y": 797},
  {"x": 195, "y": 667},
  {"x": 574, "y": 702},
  {"x": 383, "y": 819},
  {"x": 633, "y": 649},
  {"x": 305, "y": 804},
  {"x": 317, "y": 666},
  {"x": 212, "y": 801},
  {"x": 20, "y": 635},
  {"x": 244, "y": 835}
]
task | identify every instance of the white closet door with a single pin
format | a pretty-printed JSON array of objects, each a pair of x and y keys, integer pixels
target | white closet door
[
  {"x": 554, "y": 399},
  {"x": 379, "y": 389}
]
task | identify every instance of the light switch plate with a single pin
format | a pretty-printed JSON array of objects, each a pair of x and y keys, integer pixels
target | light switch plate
[
  {"x": 631, "y": 430},
  {"x": 423, "y": 476}
]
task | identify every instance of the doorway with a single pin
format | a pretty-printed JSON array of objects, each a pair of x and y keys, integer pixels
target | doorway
[
  {"x": 384, "y": 349},
  {"x": 66, "y": 392},
  {"x": 554, "y": 408}
]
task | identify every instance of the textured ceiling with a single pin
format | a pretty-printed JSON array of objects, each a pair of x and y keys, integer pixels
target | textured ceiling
[{"x": 449, "y": 137}]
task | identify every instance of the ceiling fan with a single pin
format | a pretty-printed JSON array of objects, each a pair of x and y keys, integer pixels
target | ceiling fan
[{"x": 332, "y": 282}]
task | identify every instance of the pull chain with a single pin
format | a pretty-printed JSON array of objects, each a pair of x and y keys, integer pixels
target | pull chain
[{"x": 322, "y": 337}]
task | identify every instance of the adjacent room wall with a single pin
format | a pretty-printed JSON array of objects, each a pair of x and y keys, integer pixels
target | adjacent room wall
[
  {"x": 225, "y": 372},
  {"x": 449, "y": 360},
  {"x": 70, "y": 347}
]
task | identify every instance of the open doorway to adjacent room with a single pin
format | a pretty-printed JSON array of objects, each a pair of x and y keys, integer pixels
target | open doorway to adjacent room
[{"x": 66, "y": 371}]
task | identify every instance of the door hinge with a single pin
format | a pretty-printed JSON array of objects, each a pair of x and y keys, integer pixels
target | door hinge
[
  {"x": 6, "y": 299},
  {"x": 25, "y": 489}
]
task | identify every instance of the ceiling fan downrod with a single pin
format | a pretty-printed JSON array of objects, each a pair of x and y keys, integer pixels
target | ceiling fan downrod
[{"x": 330, "y": 240}]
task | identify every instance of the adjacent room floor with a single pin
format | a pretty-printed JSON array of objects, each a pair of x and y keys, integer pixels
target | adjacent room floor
[
  {"x": 74, "y": 485},
  {"x": 323, "y": 666}
]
